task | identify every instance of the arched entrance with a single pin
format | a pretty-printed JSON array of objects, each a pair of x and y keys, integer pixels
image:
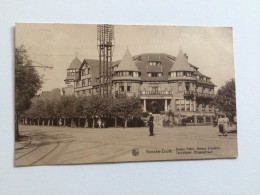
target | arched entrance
[{"x": 155, "y": 106}]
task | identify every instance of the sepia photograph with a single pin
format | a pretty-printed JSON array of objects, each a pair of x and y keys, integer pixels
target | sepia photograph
[{"x": 104, "y": 93}]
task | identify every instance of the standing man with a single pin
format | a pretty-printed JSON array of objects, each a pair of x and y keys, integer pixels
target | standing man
[{"x": 150, "y": 124}]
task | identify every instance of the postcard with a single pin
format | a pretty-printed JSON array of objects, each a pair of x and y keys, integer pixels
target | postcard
[{"x": 104, "y": 93}]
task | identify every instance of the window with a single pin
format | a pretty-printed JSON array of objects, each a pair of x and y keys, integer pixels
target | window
[
  {"x": 173, "y": 74},
  {"x": 182, "y": 105},
  {"x": 179, "y": 86},
  {"x": 135, "y": 74},
  {"x": 88, "y": 71},
  {"x": 83, "y": 72},
  {"x": 177, "y": 105},
  {"x": 149, "y": 74},
  {"x": 154, "y": 74},
  {"x": 179, "y": 74},
  {"x": 121, "y": 87},
  {"x": 77, "y": 92},
  {"x": 97, "y": 80},
  {"x": 192, "y": 105},
  {"x": 154, "y": 63},
  {"x": 187, "y": 105},
  {"x": 83, "y": 83},
  {"x": 84, "y": 92},
  {"x": 187, "y": 86},
  {"x": 129, "y": 86},
  {"x": 89, "y": 81},
  {"x": 160, "y": 74},
  {"x": 89, "y": 91},
  {"x": 78, "y": 84}
]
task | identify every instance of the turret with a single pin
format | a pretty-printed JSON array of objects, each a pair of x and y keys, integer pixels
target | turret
[{"x": 181, "y": 70}]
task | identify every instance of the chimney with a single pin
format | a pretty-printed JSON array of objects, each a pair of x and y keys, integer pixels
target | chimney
[{"x": 186, "y": 56}]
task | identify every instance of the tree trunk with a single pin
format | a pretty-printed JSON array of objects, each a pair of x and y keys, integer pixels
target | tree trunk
[
  {"x": 26, "y": 121},
  {"x": 17, "y": 134},
  {"x": 49, "y": 122},
  {"x": 79, "y": 122},
  {"x": 72, "y": 122},
  {"x": 52, "y": 121},
  {"x": 64, "y": 122},
  {"x": 115, "y": 121},
  {"x": 125, "y": 122},
  {"x": 42, "y": 122},
  {"x": 38, "y": 121},
  {"x": 93, "y": 122}
]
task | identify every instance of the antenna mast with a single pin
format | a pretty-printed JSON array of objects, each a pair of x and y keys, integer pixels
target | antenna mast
[{"x": 105, "y": 44}]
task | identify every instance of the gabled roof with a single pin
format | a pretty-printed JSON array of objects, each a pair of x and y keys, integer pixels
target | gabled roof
[
  {"x": 75, "y": 64},
  {"x": 144, "y": 67},
  {"x": 181, "y": 63},
  {"x": 127, "y": 63}
]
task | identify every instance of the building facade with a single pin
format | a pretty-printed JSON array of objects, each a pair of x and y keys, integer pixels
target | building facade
[{"x": 162, "y": 82}]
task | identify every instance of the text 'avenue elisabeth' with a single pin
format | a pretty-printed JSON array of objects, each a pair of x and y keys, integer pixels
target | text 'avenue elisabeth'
[{"x": 161, "y": 81}]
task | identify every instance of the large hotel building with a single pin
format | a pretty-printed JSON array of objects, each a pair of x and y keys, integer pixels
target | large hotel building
[{"x": 161, "y": 81}]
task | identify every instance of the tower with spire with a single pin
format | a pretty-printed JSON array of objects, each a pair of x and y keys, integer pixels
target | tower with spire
[{"x": 126, "y": 78}]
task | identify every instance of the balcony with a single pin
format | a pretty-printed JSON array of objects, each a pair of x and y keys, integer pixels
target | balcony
[
  {"x": 188, "y": 94},
  {"x": 204, "y": 95},
  {"x": 155, "y": 92}
]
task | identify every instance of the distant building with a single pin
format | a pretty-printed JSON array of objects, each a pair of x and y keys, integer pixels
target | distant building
[
  {"x": 54, "y": 94},
  {"x": 161, "y": 81},
  {"x": 71, "y": 77}
]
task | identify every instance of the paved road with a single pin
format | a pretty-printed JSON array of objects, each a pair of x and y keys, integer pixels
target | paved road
[{"x": 59, "y": 145}]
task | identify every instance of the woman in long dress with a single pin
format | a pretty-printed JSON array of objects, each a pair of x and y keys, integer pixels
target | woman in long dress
[{"x": 225, "y": 125}]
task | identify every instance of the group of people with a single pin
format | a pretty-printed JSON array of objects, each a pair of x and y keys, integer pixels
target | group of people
[{"x": 223, "y": 122}]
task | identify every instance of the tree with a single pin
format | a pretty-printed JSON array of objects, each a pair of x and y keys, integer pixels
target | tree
[
  {"x": 67, "y": 104},
  {"x": 94, "y": 106},
  {"x": 128, "y": 107},
  {"x": 27, "y": 83},
  {"x": 225, "y": 99}
]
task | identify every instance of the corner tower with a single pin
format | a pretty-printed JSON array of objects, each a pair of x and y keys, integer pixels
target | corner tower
[{"x": 127, "y": 76}]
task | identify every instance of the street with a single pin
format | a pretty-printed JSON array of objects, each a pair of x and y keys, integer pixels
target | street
[{"x": 46, "y": 145}]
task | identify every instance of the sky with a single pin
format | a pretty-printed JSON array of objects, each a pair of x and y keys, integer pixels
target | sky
[{"x": 56, "y": 45}]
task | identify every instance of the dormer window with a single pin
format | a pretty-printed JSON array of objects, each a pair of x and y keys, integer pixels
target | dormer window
[
  {"x": 154, "y": 63},
  {"x": 154, "y": 74}
]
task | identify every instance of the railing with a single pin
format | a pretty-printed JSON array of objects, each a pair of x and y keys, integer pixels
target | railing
[
  {"x": 198, "y": 94},
  {"x": 204, "y": 95},
  {"x": 189, "y": 93},
  {"x": 155, "y": 92}
]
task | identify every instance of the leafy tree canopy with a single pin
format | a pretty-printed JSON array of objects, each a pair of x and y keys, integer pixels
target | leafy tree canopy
[{"x": 225, "y": 99}]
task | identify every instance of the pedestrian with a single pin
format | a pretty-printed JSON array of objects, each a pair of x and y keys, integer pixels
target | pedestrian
[
  {"x": 150, "y": 123},
  {"x": 220, "y": 124},
  {"x": 60, "y": 122},
  {"x": 99, "y": 122},
  {"x": 225, "y": 125}
]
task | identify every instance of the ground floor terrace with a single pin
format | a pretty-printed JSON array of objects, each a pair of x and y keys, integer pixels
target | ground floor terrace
[
  {"x": 193, "y": 111},
  {"x": 45, "y": 145}
]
